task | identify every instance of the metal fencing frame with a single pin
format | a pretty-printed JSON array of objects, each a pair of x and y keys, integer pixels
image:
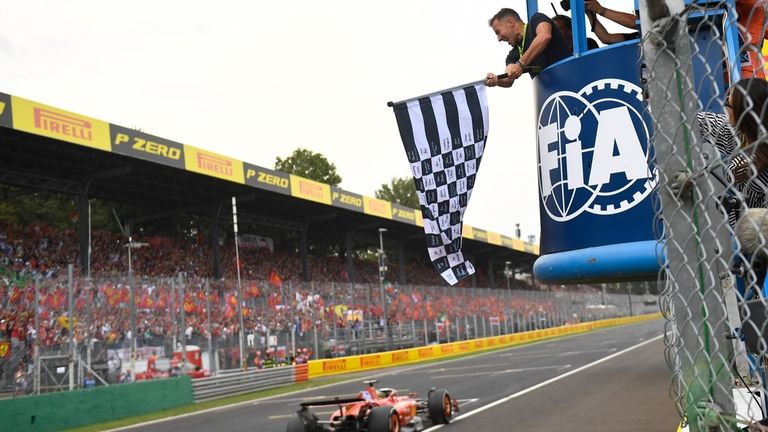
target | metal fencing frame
[{"x": 697, "y": 247}]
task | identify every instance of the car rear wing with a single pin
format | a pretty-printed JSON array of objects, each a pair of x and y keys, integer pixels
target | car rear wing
[{"x": 334, "y": 401}]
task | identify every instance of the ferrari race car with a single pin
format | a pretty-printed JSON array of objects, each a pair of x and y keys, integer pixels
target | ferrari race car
[{"x": 375, "y": 410}]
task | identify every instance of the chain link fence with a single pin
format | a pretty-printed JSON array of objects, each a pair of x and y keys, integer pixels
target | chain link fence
[
  {"x": 69, "y": 332},
  {"x": 707, "y": 94}
]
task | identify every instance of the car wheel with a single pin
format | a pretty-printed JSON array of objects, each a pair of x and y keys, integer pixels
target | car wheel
[
  {"x": 440, "y": 406},
  {"x": 383, "y": 419},
  {"x": 300, "y": 424}
]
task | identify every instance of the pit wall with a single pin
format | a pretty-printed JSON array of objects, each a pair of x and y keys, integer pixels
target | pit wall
[
  {"x": 326, "y": 367},
  {"x": 70, "y": 409}
]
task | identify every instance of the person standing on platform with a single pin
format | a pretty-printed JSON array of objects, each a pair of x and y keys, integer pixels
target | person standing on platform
[{"x": 535, "y": 45}]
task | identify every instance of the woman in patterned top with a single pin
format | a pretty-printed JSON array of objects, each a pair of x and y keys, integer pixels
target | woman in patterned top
[{"x": 741, "y": 138}]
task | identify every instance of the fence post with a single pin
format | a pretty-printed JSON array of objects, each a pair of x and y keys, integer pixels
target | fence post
[
  {"x": 183, "y": 311},
  {"x": 693, "y": 246},
  {"x": 36, "y": 342},
  {"x": 71, "y": 324},
  {"x": 211, "y": 358},
  {"x": 292, "y": 295}
]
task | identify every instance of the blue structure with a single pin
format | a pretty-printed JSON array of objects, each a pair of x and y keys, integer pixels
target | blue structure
[{"x": 597, "y": 178}]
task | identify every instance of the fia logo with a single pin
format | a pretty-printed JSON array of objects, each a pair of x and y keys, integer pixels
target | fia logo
[{"x": 593, "y": 153}]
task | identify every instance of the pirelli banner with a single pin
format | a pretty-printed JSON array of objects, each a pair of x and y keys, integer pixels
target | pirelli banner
[
  {"x": 319, "y": 368},
  {"x": 43, "y": 120}
]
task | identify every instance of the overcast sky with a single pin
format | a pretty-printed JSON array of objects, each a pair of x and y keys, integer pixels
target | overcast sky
[{"x": 254, "y": 80}]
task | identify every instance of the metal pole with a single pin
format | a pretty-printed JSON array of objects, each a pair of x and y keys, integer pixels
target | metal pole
[
  {"x": 71, "y": 322},
  {"x": 293, "y": 318},
  {"x": 183, "y": 312},
  {"x": 382, "y": 269},
  {"x": 88, "y": 337},
  {"x": 333, "y": 319},
  {"x": 314, "y": 322},
  {"x": 36, "y": 342},
  {"x": 366, "y": 315},
  {"x": 602, "y": 295},
  {"x": 132, "y": 289},
  {"x": 239, "y": 288},
  {"x": 211, "y": 358}
]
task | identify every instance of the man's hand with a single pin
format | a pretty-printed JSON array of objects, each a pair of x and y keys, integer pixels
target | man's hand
[
  {"x": 594, "y": 6},
  {"x": 491, "y": 80},
  {"x": 514, "y": 70}
]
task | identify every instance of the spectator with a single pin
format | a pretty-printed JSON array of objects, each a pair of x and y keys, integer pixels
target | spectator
[
  {"x": 151, "y": 362},
  {"x": 20, "y": 381},
  {"x": 564, "y": 24},
  {"x": 737, "y": 136},
  {"x": 126, "y": 378},
  {"x": 751, "y": 16},
  {"x": 89, "y": 381}
]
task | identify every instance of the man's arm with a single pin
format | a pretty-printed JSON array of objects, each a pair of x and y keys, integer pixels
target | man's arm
[
  {"x": 538, "y": 45},
  {"x": 626, "y": 19},
  {"x": 602, "y": 33}
]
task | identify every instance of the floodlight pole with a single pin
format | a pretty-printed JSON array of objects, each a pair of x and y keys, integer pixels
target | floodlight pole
[
  {"x": 508, "y": 273},
  {"x": 243, "y": 365},
  {"x": 132, "y": 288},
  {"x": 382, "y": 269}
]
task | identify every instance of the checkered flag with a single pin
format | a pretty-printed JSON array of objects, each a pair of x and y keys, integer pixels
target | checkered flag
[{"x": 444, "y": 136}]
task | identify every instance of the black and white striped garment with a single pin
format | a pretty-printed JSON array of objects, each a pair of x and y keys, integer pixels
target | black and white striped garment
[
  {"x": 444, "y": 137},
  {"x": 718, "y": 131}
]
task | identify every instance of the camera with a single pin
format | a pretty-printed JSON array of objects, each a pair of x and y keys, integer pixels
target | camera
[{"x": 565, "y": 4}]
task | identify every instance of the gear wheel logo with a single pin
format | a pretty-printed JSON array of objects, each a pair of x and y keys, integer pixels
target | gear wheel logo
[{"x": 593, "y": 153}]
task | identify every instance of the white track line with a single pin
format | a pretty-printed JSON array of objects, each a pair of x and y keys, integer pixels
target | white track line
[{"x": 544, "y": 383}]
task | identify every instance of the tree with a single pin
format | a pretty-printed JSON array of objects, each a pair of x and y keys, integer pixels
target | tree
[
  {"x": 400, "y": 190},
  {"x": 308, "y": 164}
]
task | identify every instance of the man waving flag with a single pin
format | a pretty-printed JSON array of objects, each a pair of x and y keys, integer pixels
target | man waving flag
[{"x": 444, "y": 137}]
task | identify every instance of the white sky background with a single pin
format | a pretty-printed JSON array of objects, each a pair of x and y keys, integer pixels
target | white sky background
[{"x": 254, "y": 80}]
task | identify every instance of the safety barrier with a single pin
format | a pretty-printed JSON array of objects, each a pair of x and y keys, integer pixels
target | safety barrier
[
  {"x": 319, "y": 368},
  {"x": 236, "y": 383},
  {"x": 66, "y": 410}
]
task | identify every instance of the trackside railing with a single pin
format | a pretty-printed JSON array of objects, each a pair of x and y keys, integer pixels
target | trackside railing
[{"x": 236, "y": 383}]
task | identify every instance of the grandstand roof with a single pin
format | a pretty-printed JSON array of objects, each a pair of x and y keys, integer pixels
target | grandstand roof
[{"x": 46, "y": 148}]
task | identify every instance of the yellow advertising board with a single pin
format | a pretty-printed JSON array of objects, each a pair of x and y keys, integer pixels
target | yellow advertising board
[
  {"x": 318, "y": 368},
  {"x": 212, "y": 164},
  {"x": 310, "y": 190},
  {"x": 39, "y": 119},
  {"x": 468, "y": 232},
  {"x": 404, "y": 214},
  {"x": 377, "y": 207},
  {"x": 419, "y": 218}
]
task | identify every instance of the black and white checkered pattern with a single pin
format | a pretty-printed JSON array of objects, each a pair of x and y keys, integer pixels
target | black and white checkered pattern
[{"x": 444, "y": 137}]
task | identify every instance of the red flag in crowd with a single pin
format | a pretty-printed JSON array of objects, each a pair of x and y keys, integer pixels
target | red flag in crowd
[
  {"x": 145, "y": 302},
  {"x": 162, "y": 302},
  {"x": 253, "y": 290},
  {"x": 15, "y": 295},
  {"x": 189, "y": 305},
  {"x": 275, "y": 280},
  {"x": 273, "y": 300}
]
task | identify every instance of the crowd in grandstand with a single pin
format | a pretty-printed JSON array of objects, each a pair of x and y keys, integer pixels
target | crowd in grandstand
[{"x": 33, "y": 269}]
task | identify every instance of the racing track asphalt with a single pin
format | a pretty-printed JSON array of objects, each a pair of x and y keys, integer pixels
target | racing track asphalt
[{"x": 626, "y": 392}]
